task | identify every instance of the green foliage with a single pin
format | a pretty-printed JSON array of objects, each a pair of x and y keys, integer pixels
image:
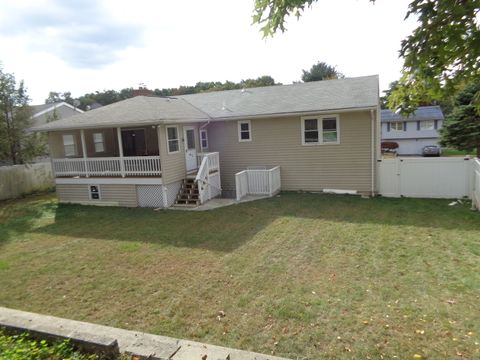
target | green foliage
[
  {"x": 321, "y": 71},
  {"x": 441, "y": 54},
  {"x": 462, "y": 126},
  {"x": 21, "y": 347},
  {"x": 55, "y": 97},
  {"x": 17, "y": 145}
]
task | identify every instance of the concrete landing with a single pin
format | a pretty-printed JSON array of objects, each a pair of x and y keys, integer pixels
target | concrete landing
[{"x": 113, "y": 341}]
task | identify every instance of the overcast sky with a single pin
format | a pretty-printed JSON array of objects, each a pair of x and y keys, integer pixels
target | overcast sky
[{"x": 88, "y": 45}]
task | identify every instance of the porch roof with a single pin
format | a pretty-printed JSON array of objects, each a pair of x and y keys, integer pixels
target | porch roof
[{"x": 278, "y": 100}]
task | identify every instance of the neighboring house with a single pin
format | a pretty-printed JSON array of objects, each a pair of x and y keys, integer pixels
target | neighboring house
[
  {"x": 414, "y": 132},
  {"x": 46, "y": 112},
  {"x": 155, "y": 151}
]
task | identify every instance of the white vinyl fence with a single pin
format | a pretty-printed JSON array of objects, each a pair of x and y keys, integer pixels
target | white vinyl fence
[
  {"x": 449, "y": 177},
  {"x": 257, "y": 182},
  {"x": 476, "y": 184},
  {"x": 18, "y": 180}
]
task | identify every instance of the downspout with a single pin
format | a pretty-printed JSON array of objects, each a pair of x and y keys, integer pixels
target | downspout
[{"x": 372, "y": 115}]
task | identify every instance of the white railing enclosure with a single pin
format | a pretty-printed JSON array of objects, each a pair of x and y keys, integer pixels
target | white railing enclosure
[
  {"x": 257, "y": 182},
  {"x": 208, "y": 176},
  {"x": 108, "y": 166},
  {"x": 445, "y": 177},
  {"x": 476, "y": 184}
]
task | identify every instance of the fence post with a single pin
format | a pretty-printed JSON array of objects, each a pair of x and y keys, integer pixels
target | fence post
[{"x": 270, "y": 182}]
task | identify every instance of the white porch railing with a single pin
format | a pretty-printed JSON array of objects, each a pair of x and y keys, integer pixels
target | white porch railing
[
  {"x": 208, "y": 176},
  {"x": 257, "y": 182},
  {"x": 476, "y": 184},
  {"x": 108, "y": 166}
]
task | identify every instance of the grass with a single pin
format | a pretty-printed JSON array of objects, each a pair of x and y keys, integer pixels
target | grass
[
  {"x": 454, "y": 152},
  {"x": 299, "y": 275}
]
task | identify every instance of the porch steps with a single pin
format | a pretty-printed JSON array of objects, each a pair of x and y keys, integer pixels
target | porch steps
[{"x": 188, "y": 195}]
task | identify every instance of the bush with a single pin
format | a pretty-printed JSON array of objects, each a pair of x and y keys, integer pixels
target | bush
[
  {"x": 21, "y": 347},
  {"x": 389, "y": 145}
]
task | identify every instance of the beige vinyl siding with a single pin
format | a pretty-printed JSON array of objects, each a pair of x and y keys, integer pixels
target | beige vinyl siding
[
  {"x": 55, "y": 140},
  {"x": 72, "y": 193},
  {"x": 278, "y": 141},
  {"x": 123, "y": 194}
]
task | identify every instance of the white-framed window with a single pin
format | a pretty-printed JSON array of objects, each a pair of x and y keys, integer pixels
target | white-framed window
[
  {"x": 69, "y": 145},
  {"x": 244, "y": 131},
  {"x": 203, "y": 139},
  {"x": 94, "y": 192},
  {"x": 99, "y": 142},
  {"x": 172, "y": 139},
  {"x": 320, "y": 130},
  {"x": 396, "y": 126},
  {"x": 427, "y": 125}
]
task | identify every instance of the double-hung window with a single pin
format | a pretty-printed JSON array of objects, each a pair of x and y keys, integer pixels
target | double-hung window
[
  {"x": 396, "y": 126},
  {"x": 172, "y": 139},
  {"x": 98, "y": 142},
  {"x": 244, "y": 131},
  {"x": 427, "y": 125},
  {"x": 69, "y": 145},
  {"x": 203, "y": 139},
  {"x": 320, "y": 130}
]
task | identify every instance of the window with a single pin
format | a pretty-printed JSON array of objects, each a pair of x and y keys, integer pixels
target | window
[
  {"x": 203, "y": 139},
  {"x": 98, "y": 142},
  {"x": 320, "y": 130},
  {"x": 94, "y": 191},
  {"x": 69, "y": 145},
  {"x": 172, "y": 139},
  {"x": 244, "y": 131},
  {"x": 396, "y": 126},
  {"x": 427, "y": 125}
]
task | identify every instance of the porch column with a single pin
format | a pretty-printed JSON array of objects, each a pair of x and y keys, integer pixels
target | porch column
[
  {"x": 84, "y": 151},
  {"x": 120, "y": 151},
  {"x": 159, "y": 149}
]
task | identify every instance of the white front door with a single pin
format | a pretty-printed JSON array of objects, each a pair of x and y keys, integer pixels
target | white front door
[{"x": 190, "y": 149}]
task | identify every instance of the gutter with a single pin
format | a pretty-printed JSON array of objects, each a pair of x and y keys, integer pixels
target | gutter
[{"x": 373, "y": 151}]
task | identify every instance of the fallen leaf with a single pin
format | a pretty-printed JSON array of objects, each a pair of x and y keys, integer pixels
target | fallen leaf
[{"x": 417, "y": 356}]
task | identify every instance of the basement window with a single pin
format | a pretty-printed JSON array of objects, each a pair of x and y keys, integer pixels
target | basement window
[{"x": 94, "y": 191}]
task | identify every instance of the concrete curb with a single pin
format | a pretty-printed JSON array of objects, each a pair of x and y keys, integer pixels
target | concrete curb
[{"x": 111, "y": 341}]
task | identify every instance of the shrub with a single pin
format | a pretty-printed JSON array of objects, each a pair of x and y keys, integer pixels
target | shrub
[{"x": 389, "y": 145}]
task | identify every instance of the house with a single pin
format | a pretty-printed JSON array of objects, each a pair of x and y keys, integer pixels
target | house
[
  {"x": 54, "y": 111},
  {"x": 157, "y": 151},
  {"x": 414, "y": 132}
]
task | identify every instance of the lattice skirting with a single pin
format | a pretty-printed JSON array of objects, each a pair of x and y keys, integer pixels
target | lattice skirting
[
  {"x": 172, "y": 192},
  {"x": 150, "y": 196}
]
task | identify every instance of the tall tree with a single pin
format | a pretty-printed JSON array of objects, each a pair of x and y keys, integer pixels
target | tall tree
[
  {"x": 441, "y": 54},
  {"x": 17, "y": 145},
  {"x": 321, "y": 71},
  {"x": 462, "y": 126},
  {"x": 55, "y": 97}
]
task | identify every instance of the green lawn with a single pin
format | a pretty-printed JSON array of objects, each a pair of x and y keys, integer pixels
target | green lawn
[
  {"x": 299, "y": 275},
  {"x": 454, "y": 152}
]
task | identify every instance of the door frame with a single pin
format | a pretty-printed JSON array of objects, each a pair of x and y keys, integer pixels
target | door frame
[{"x": 185, "y": 129}]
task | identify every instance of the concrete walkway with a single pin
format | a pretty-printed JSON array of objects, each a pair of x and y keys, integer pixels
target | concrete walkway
[
  {"x": 112, "y": 341},
  {"x": 220, "y": 202}
]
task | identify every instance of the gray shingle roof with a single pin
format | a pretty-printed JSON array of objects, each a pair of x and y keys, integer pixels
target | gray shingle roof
[
  {"x": 327, "y": 95},
  {"x": 422, "y": 113}
]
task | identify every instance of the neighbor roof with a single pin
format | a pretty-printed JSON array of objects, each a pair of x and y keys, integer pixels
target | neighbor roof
[
  {"x": 277, "y": 100},
  {"x": 422, "y": 113}
]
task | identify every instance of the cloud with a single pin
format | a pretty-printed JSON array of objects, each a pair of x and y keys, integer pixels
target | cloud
[{"x": 81, "y": 33}]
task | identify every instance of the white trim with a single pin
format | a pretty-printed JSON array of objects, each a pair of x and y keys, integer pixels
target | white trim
[
  {"x": 178, "y": 139},
  {"x": 111, "y": 181},
  {"x": 56, "y": 106},
  {"x": 320, "y": 119},
  {"x": 204, "y": 131},
  {"x": 239, "y": 130}
]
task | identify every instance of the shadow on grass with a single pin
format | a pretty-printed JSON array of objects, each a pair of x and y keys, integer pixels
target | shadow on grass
[{"x": 226, "y": 229}]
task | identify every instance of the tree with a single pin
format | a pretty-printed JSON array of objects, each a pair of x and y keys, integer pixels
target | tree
[
  {"x": 55, "y": 97},
  {"x": 462, "y": 126},
  {"x": 321, "y": 71},
  {"x": 440, "y": 55},
  {"x": 17, "y": 145}
]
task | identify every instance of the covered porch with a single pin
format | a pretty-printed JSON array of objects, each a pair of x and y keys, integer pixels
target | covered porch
[{"x": 106, "y": 152}]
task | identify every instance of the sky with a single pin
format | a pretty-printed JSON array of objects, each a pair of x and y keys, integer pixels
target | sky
[{"x": 87, "y": 45}]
